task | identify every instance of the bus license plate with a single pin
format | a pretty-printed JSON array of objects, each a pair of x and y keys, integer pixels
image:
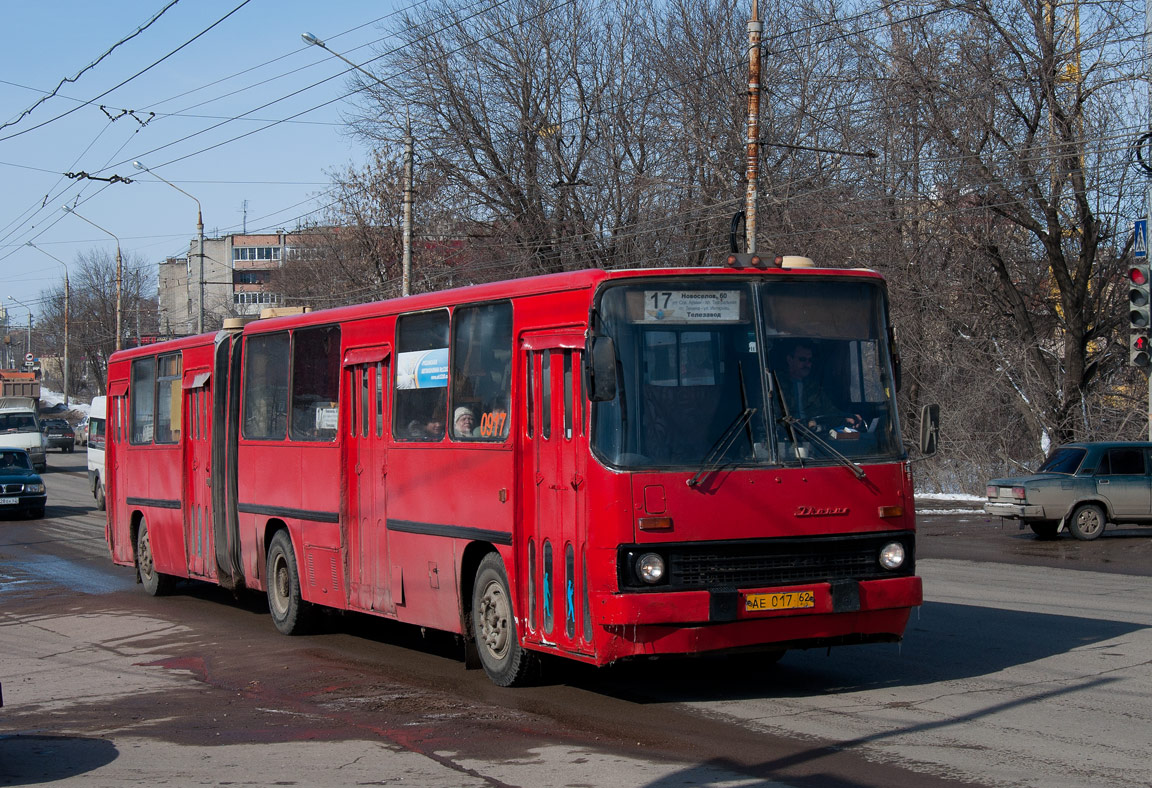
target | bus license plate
[
  {"x": 9, "y": 501},
  {"x": 787, "y": 600}
]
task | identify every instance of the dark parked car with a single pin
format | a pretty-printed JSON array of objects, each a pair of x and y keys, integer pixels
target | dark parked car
[
  {"x": 59, "y": 433},
  {"x": 1081, "y": 486},
  {"x": 21, "y": 489}
]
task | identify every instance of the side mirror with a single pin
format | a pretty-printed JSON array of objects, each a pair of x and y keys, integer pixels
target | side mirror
[
  {"x": 929, "y": 429},
  {"x": 600, "y": 369}
]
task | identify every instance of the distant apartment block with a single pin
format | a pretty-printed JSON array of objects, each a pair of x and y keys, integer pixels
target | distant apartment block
[{"x": 237, "y": 276}]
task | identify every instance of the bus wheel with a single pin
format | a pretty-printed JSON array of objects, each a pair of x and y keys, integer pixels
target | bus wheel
[
  {"x": 155, "y": 583},
  {"x": 504, "y": 659},
  {"x": 1087, "y": 522},
  {"x": 99, "y": 495},
  {"x": 290, "y": 612}
]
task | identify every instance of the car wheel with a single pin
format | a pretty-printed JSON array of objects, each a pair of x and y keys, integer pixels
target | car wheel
[
  {"x": 1045, "y": 529},
  {"x": 505, "y": 661},
  {"x": 1087, "y": 522},
  {"x": 154, "y": 582},
  {"x": 291, "y": 614},
  {"x": 98, "y": 494}
]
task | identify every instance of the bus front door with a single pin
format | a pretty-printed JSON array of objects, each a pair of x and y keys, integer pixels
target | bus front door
[
  {"x": 367, "y": 467},
  {"x": 551, "y": 571}
]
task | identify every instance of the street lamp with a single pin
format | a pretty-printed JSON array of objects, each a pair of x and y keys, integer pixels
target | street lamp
[
  {"x": 66, "y": 293},
  {"x": 406, "y": 266},
  {"x": 28, "y": 348},
  {"x": 119, "y": 265},
  {"x": 199, "y": 233}
]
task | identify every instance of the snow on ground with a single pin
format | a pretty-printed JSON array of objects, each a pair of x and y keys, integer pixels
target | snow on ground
[
  {"x": 948, "y": 503},
  {"x": 48, "y": 398}
]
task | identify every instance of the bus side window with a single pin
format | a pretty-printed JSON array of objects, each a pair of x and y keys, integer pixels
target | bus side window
[
  {"x": 168, "y": 392},
  {"x": 315, "y": 383},
  {"x": 143, "y": 396},
  {"x": 481, "y": 372},
  {"x": 418, "y": 410},
  {"x": 266, "y": 387}
]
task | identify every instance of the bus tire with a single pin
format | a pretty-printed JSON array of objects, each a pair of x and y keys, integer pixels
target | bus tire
[
  {"x": 505, "y": 661},
  {"x": 98, "y": 494},
  {"x": 155, "y": 583},
  {"x": 1087, "y": 522},
  {"x": 290, "y": 613}
]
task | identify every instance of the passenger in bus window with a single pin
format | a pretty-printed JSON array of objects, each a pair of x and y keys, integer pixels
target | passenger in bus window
[
  {"x": 804, "y": 393},
  {"x": 463, "y": 422},
  {"x": 428, "y": 430}
]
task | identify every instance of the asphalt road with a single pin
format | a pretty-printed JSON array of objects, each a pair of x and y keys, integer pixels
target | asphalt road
[{"x": 1027, "y": 665}]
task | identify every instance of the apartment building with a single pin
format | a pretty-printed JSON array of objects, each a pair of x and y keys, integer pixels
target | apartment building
[{"x": 237, "y": 274}]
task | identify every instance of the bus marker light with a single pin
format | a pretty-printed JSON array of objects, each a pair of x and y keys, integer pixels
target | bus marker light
[
  {"x": 654, "y": 523},
  {"x": 891, "y": 511}
]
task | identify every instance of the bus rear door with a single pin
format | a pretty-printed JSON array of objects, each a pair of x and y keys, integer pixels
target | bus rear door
[{"x": 116, "y": 444}]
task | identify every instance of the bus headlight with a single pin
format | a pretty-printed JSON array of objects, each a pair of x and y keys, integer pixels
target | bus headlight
[
  {"x": 892, "y": 556},
  {"x": 650, "y": 568}
]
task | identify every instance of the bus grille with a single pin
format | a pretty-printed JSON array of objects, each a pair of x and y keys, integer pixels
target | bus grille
[{"x": 765, "y": 563}]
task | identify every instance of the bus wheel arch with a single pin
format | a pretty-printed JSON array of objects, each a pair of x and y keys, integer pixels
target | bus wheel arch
[
  {"x": 290, "y": 613},
  {"x": 494, "y": 628}
]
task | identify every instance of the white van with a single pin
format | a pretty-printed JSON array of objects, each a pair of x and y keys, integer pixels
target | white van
[
  {"x": 96, "y": 424},
  {"x": 20, "y": 429}
]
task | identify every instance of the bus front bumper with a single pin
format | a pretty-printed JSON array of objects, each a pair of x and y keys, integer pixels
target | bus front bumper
[{"x": 682, "y": 622}]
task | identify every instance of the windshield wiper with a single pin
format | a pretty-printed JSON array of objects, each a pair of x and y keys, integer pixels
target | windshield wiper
[
  {"x": 721, "y": 446},
  {"x": 792, "y": 424}
]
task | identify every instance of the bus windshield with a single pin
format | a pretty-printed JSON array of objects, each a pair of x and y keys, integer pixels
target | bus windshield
[{"x": 741, "y": 372}]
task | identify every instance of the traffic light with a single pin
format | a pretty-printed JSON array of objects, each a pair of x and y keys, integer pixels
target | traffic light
[
  {"x": 1139, "y": 314},
  {"x": 1138, "y": 350}
]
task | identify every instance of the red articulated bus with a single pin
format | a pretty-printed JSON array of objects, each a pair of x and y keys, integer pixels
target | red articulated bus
[{"x": 595, "y": 465}]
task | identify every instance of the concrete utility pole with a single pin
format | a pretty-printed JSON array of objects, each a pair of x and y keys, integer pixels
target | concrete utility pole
[
  {"x": 119, "y": 271},
  {"x": 755, "y": 30},
  {"x": 66, "y": 313},
  {"x": 28, "y": 347},
  {"x": 1148, "y": 180},
  {"x": 406, "y": 260},
  {"x": 406, "y": 264},
  {"x": 199, "y": 234}
]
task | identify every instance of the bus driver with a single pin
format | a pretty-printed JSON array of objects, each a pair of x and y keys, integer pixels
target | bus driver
[{"x": 805, "y": 397}]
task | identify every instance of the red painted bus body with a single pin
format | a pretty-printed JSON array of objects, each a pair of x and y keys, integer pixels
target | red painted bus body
[{"x": 673, "y": 506}]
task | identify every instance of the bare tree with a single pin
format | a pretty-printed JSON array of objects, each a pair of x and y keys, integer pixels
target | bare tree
[
  {"x": 975, "y": 154},
  {"x": 92, "y": 314}
]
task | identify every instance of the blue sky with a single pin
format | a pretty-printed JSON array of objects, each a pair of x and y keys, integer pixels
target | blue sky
[{"x": 252, "y": 58}]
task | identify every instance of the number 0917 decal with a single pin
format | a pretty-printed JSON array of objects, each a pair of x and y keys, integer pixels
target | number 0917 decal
[{"x": 493, "y": 424}]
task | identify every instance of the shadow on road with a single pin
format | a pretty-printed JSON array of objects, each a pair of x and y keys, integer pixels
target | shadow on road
[
  {"x": 31, "y": 760},
  {"x": 944, "y": 642}
]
